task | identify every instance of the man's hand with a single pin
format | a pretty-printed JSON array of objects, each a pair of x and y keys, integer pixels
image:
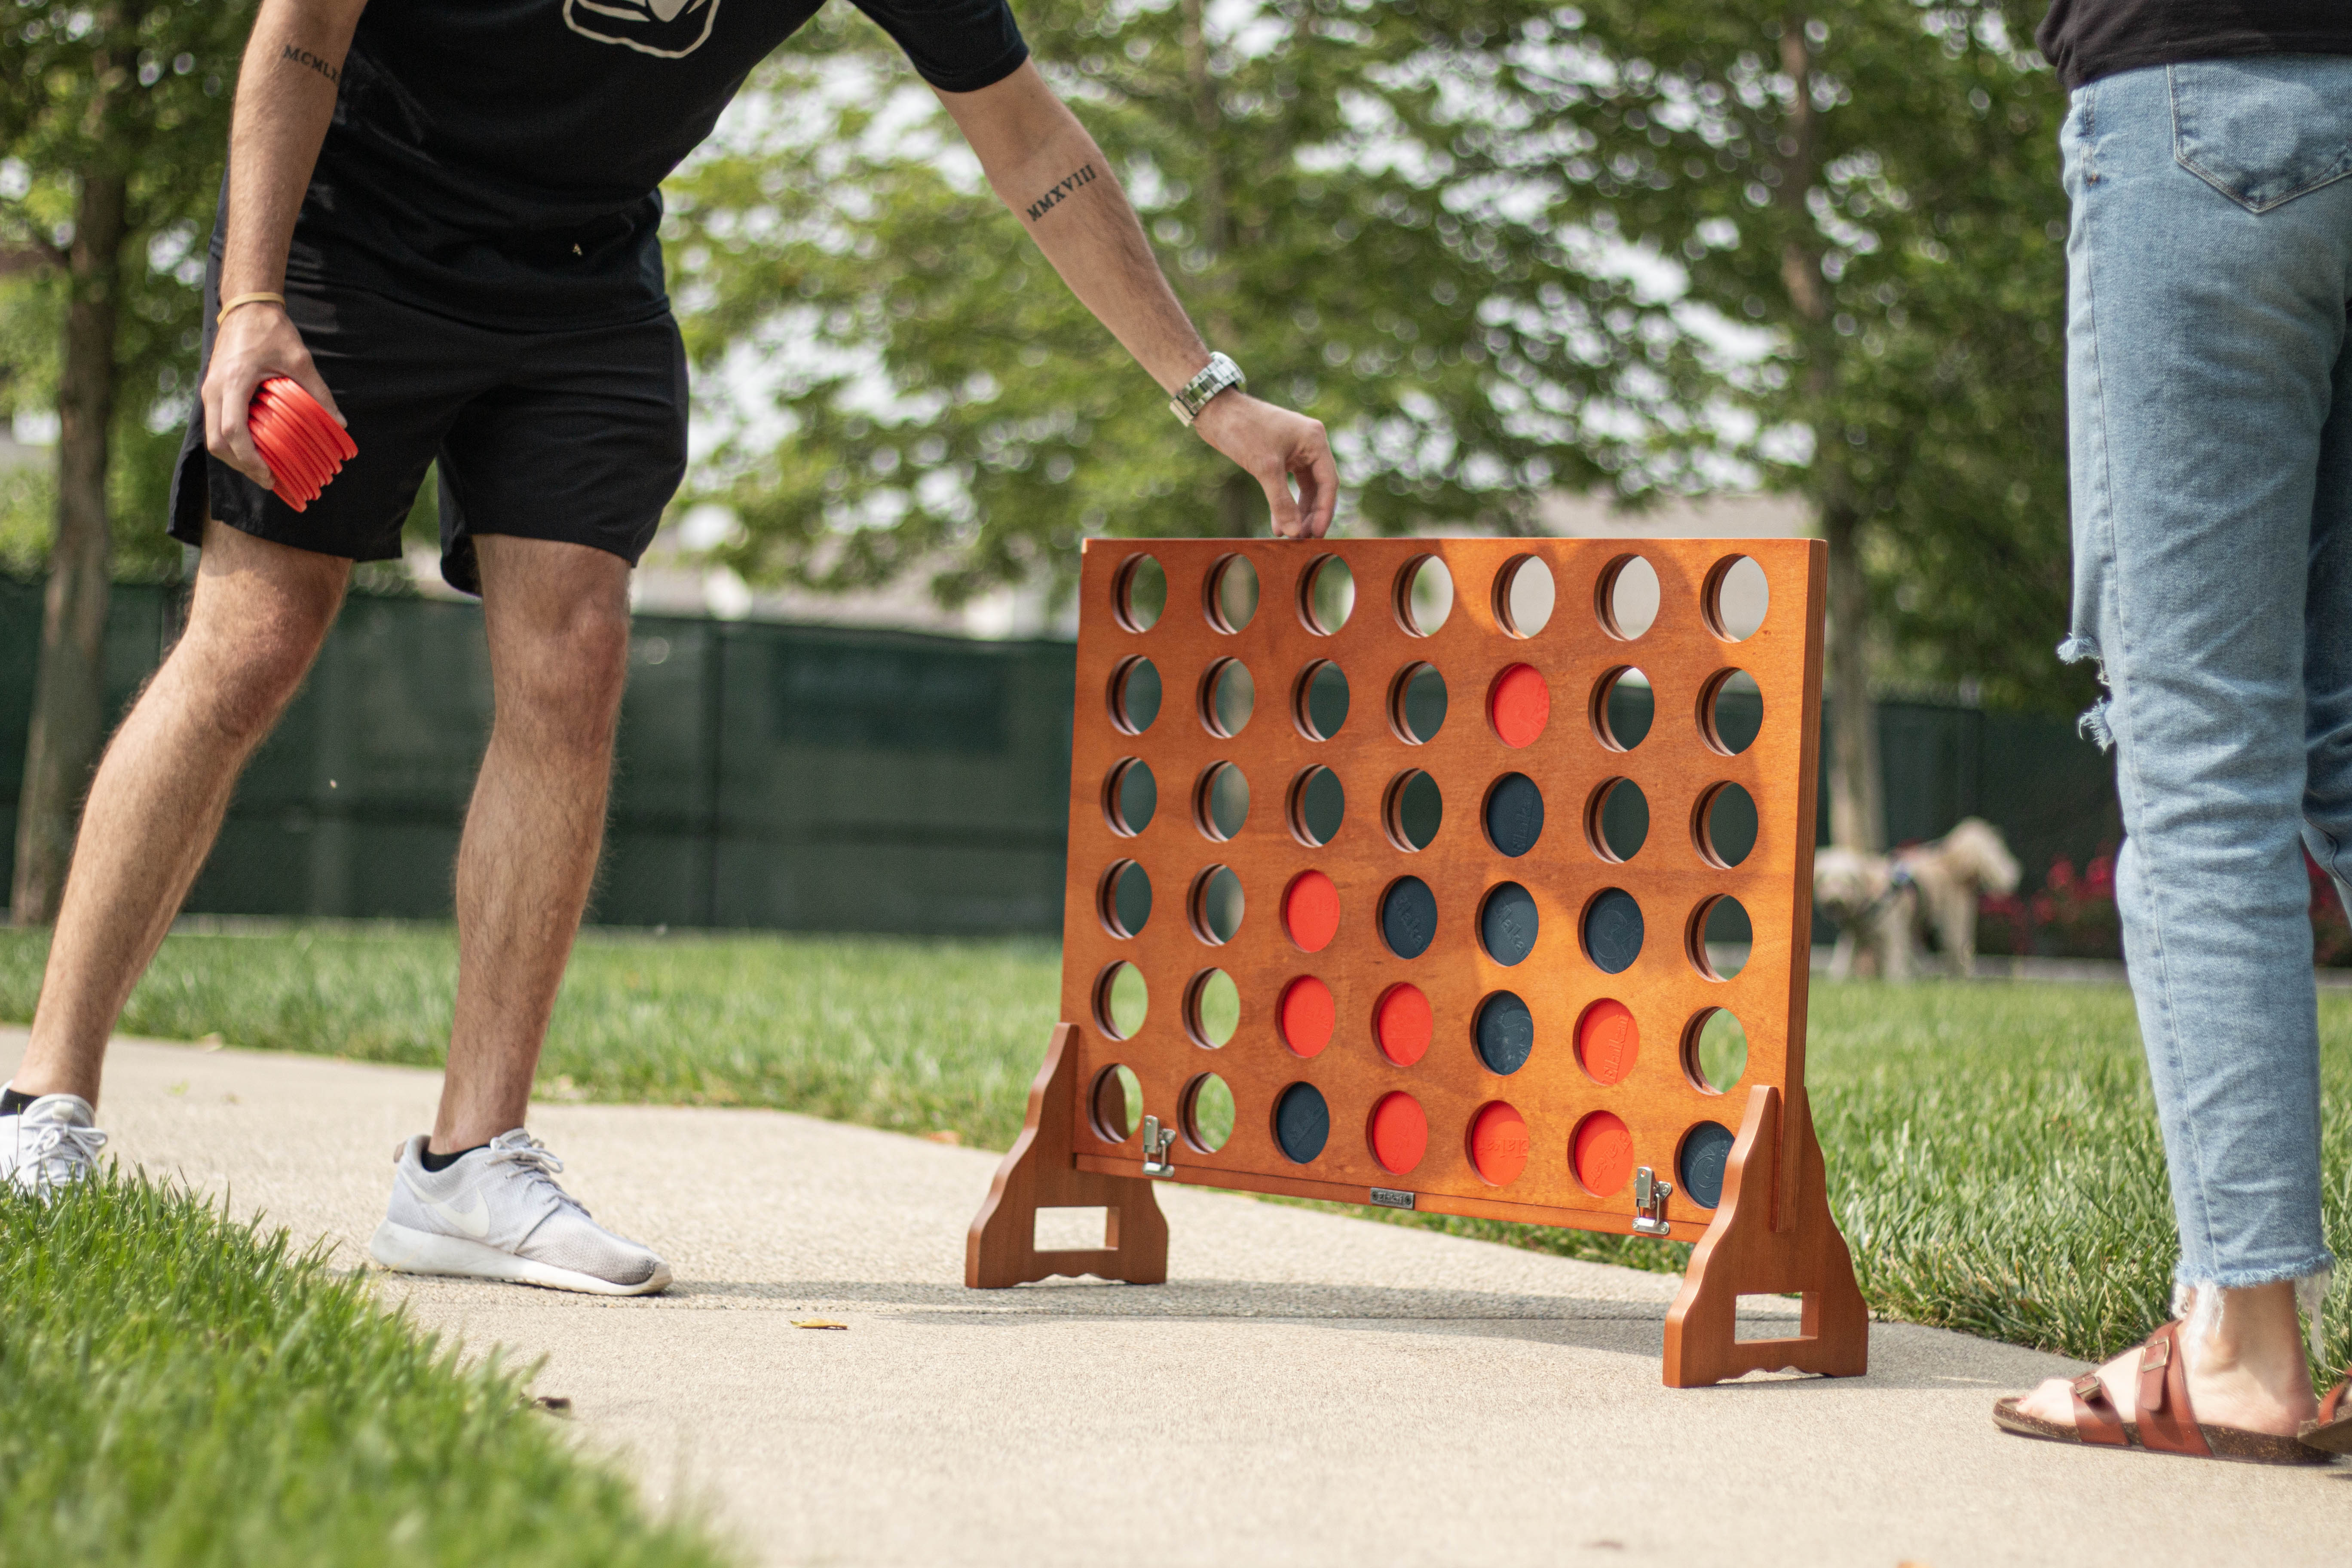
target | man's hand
[
  {"x": 255, "y": 344},
  {"x": 1273, "y": 445}
]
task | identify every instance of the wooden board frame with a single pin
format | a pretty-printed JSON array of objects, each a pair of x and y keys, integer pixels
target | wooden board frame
[{"x": 1772, "y": 1222}]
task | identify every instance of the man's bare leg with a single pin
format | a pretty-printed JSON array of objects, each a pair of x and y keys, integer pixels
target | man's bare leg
[
  {"x": 255, "y": 621},
  {"x": 557, "y": 618}
]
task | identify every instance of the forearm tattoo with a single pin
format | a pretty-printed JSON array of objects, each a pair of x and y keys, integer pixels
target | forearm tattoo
[
  {"x": 302, "y": 56},
  {"x": 1055, "y": 196}
]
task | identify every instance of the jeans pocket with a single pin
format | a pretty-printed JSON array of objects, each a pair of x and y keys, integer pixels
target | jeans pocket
[{"x": 2267, "y": 130}]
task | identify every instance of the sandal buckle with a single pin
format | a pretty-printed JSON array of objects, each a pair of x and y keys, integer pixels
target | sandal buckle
[
  {"x": 2088, "y": 1387},
  {"x": 2156, "y": 1355}
]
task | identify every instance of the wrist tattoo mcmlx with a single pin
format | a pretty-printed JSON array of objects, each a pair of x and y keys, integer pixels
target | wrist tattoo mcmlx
[
  {"x": 302, "y": 57},
  {"x": 1054, "y": 196}
]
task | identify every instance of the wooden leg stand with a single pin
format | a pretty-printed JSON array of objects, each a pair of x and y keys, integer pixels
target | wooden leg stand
[
  {"x": 1001, "y": 1248},
  {"x": 1744, "y": 1252}
]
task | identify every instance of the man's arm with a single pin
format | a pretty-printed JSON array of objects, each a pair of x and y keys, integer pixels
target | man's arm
[
  {"x": 285, "y": 99},
  {"x": 1045, "y": 166}
]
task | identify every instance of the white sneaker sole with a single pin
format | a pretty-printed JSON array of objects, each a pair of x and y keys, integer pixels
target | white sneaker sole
[{"x": 405, "y": 1250}]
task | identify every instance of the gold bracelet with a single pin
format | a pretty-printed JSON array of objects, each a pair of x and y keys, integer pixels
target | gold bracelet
[{"x": 228, "y": 305}]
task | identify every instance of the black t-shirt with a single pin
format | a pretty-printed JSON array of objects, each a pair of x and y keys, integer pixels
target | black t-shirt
[
  {"x": 498, "y": 160},
  {"x": 2087, "y": 39}
]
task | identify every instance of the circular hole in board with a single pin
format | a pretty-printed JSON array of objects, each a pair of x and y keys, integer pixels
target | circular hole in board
[
  {"x": 1124, "y": 899},
  {"x": 1518, "y": 705},
  {"x": 1206, "y": 1112},
  {"x": 1310, "y": 912},
  {"x": 1725, "y": 825},
  {"x": 1121, "y": 1001},
  {"x": 1413, "y": 811},
  {"x": 1228, "y": 697},
  {"x": 1617, "y": 820},
  {"x": 1403, "y": 1024},
  {"x": 1424, "y": 594},
  {"x": 1715, "y": 1052},
  {"x": 1623, "y": 706},
  {"x": 1499, "y": 1143},
  {"x": 1721, "y": 938},
  {"x": 1417, "y": 704},
  {"x": 1116, "y": 1104},
  {"x": 1220, "y": 801},
  {"x": 1507, "y": 924},
  {"x": 1408, "y": 916},
  {"x": 1139, "y": 593},
  {"x": 1212, "y": 1008},
  {"x": 1327, "y": 595},
  {"x": 1216, "y": 905},
  {"x": 1318, "y": 805},
  {"x": 1626, "y": 597},
  {"x": 1134, "y": 696},
  {"x": 1319, "y": 700},
  {"x": 1302, "y": 1123},
  {"x": 1702, "y": 1162},
  {"x": 1398, "y": 1132},
  {"x": 1736, "y": 599},
  {"x": 1607, "y": 1040},
  {"x": 1230, "y": 594},
  {"x": 1731, "y": 711},
  {"x": 1504, "y": 1034},
  {"x": 1306, "y": 1016},
  {"x": 1613, "y": 930},
  {"x": 1514, "y": 815},
  {"x": 1131, "y": 797},
  {"x": 1601, "y": 1152},
  {"x": 1523, "y": 595}
]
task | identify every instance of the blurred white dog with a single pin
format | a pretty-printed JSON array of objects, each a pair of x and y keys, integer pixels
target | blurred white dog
[{"x": 1879, "y": 902}]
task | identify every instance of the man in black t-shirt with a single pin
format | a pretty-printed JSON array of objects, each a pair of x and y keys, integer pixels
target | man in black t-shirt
[{"x": 441, "y": 218}]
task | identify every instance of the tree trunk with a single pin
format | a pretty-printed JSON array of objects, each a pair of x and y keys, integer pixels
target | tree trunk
[
  {"x": 1857, "y": 814},
  {"x": 69, "y": 695}
]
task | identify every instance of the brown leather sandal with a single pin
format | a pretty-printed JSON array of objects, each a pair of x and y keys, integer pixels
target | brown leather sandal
[
  {"x": 2167, "y": 1424},
  {"x": 2332, "y": 1433}
]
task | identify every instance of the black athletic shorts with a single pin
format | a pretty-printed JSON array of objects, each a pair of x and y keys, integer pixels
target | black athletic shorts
[{"x": 577, "y": 435}]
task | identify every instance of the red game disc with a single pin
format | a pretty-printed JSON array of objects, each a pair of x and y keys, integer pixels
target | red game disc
[
  {"x": 1601, "y": 1152},
  {"x": 1306, "y": 1015},
  {"x": 302, "y": 428},
  {"x": 300, "y": 441},
  {"x": 1607, "y": 1040},
  {"x": 1518, "y": 705},
  {"x": 1310, "y": 910},
  {"x": 1400, "y": 1132},
  {"x": 289, "y": 467},
  {"x": 1499, "y": 1143},
  {"x": 1403, "y": 1024}
]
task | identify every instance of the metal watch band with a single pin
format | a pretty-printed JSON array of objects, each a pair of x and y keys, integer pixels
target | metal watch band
[{"x": 1215, "y": 377}]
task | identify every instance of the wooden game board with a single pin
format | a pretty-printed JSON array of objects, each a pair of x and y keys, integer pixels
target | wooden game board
[{"x": 1603, "y": 1106}]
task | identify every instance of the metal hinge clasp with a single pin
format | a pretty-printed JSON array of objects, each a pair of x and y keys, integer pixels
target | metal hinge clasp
[
  {"x": 1159, "y": 1142},
  {"x": 1650, "y": 1195}
]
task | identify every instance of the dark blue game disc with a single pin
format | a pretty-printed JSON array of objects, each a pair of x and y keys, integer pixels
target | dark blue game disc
[
  {"x": 1408, "y": 917},
  {"x": 1613, "y": 930},
  {"x": 1706, "y": 1149},
  {"x": 1506, "y": 1033},
  {"x": 1506, "y": 924},
  {"x": 1515, "y": 814},
  {"x": 1302, "y": 1122}
]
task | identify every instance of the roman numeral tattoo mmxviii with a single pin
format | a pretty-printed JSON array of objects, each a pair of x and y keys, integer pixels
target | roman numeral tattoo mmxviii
[
  {"x": 1058, "y": 193},
  {"x": 305, "y": 58}
]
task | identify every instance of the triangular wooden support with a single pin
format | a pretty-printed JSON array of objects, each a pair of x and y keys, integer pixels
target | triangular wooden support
[
  {"x": 1744, "y": 1252},
  {"x": 1039, "y": 1173}
]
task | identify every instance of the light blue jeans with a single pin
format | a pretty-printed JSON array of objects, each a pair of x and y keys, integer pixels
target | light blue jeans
[{"x": 2209, "y": 396}]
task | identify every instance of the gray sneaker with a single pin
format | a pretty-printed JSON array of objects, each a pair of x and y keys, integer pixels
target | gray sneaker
[
  {"x": 497, "y": 1214},
  {"x": 50, "y": 1145}
]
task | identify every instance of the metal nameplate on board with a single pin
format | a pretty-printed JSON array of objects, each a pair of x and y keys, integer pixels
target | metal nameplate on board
[{"x": 1390, "y": 1198}]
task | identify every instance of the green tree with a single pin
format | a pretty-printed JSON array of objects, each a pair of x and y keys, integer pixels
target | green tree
[{"x": 113, "y": 128}]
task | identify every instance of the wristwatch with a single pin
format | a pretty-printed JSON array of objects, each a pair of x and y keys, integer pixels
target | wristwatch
[{"x": 1215, "y": 376}]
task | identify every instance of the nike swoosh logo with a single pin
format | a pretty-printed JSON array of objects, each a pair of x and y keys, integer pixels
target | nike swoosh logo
[{"x": 474, "y": 1222}]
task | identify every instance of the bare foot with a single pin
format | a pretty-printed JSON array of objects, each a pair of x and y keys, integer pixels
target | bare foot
[{"x": 2249, "y": 1373}]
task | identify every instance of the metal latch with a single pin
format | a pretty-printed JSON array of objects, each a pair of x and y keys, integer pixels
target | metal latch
[
  {"x": 1159, "y": 1142},
  {"x": 1650, "y": 1195}
]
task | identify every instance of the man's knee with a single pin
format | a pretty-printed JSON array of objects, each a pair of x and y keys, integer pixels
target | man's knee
[
  {"x": 567, "y": 681},
  {"x": 257, "y": 620}
]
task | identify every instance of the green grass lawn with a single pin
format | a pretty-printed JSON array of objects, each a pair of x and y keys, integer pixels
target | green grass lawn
[
  {"x": 1992, "y": 1150},
  {"x": 178, "y": 1389}
]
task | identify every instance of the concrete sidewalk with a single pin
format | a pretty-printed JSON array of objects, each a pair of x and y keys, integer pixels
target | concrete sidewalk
[{"x": 1309, "y": 1389}]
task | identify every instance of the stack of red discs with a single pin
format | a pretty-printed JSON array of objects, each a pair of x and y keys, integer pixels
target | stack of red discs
[{"x": 299, "y": 440}]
